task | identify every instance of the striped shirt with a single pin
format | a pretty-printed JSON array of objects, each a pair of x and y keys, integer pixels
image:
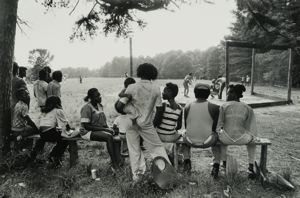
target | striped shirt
[{"x": 169, "y": 120}]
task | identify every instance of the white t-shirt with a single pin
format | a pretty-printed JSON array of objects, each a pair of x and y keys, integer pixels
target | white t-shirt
[
  {"x": 146, "y": 97},
  {"x": 40, "y": 91},
  {"x": 54, "y": 118}
]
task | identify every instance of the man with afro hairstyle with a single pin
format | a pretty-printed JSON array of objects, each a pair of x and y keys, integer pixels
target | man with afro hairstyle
[{"x": 146, "y": 97}]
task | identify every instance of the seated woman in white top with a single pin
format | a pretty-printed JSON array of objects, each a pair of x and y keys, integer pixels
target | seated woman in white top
[
  {"x": 52, "y": 123},
  {"x": 236, "y": 125}
]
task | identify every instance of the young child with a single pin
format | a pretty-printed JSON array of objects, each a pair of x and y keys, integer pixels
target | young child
[
  {"x": 129, "y": 112},
  {"x": 22, "y": 125},
  {"x": 169, "y": 120},
  {"x": 124, "y": 121}
]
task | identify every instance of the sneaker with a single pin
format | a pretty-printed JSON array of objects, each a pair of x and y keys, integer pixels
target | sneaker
[
  {"x": 215, "y": 170},
  {"x": 187, "y": 166}
]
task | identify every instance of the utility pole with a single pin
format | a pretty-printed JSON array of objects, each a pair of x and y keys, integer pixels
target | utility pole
[{"x": 130, "y": 50}]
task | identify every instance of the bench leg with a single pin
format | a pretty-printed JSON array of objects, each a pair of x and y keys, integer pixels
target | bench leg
[
  {"x": 175, "y": 156},
  {"x": 263, "y": 158},
  {"x": 73, "y": 151}
]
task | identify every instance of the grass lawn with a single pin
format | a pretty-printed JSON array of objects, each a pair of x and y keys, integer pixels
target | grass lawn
[{"x": 280, "y": 124}]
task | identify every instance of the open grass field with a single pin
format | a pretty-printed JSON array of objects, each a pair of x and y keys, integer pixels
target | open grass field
[{"x": 281, "y": 124}]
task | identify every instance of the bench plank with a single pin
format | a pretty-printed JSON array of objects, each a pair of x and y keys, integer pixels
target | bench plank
[
  {"x": 73, "y": 147},
  {"x": 263, "y": 142},
  {"x": 258, "y": 141}
]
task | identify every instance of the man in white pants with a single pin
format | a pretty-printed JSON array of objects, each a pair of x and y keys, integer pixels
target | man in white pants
[{"x": 145, "y": 98}]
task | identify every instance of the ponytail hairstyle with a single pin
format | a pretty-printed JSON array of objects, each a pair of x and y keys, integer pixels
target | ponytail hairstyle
[{"x": 90, "y": 94}]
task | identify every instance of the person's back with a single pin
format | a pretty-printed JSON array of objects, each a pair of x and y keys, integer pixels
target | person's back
[
  {"x": 54, "y": 86},
  {"x": 169, "y": 120},
  {"x": 16, "y": 83},
  {"x": 145, "y": 95},
  {"x": 199, "y": 122},
  {"x": 238, "y": 119},
  {"x": 236, "y": 126},
  {"x": 201, "y": 119},
  {"x": 40, "y": 90}
]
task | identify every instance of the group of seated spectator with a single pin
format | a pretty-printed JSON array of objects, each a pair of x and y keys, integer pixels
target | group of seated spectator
[
  {"x": 232, "y": 123},
  {"x": 144, "y": 119}
]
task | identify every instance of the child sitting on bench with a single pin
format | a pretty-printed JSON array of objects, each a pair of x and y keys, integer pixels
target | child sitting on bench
[
  {"x": 169, "y": 120},
  {"x": 22, "y": 125}
]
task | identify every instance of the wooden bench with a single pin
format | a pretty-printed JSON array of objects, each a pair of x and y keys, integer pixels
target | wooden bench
[
  {"x": 72, "y": 148},
  {"x": 263, "y": 142}
]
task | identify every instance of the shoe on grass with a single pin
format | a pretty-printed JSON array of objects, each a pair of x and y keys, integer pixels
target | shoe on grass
[{"x": 215, "y": 170}]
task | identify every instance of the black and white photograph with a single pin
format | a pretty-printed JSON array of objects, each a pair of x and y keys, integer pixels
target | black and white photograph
[{"x": 150, "y": 98}]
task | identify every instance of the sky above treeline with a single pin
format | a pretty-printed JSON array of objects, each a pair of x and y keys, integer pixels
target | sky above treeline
[{"x": 189, "y": 27}]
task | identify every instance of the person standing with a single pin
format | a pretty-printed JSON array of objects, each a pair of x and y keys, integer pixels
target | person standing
[
  {"x": 247, "y": 80},
  {"x": 221, "y": 81},
  {"x": 48, "y": 71},
  {"x": 22, "y": 72},
  {"x": 54, "y": 86},
  {"x": 186, "y": 83},
  {"x": 16, "y": 84},
  {"x": 40, "y": 89},
  {"x": 243, "y": 80},
  {"x": 80, "y": 79},
  {"x": 145, "y": 97}
]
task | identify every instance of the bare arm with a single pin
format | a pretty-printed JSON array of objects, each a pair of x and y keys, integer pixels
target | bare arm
[
  {"x": 179, "y": 122},
  {"x": 186, "y": 112},
  {"x": 158, "y": 116}
]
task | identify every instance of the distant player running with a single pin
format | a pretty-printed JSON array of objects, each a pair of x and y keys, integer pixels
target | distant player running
[{"x": 186, "y": 83}]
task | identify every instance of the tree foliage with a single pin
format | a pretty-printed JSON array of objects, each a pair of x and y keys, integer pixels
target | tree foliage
[
  {"x": 114, "y": 16},
  {"x": 270, "y": 22},
  {"x": 206, "y": 64},
  {"x": 39, "y": 58}
]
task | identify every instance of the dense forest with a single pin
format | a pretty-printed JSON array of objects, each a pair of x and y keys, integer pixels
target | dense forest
[{"x": 271, "y": 67}]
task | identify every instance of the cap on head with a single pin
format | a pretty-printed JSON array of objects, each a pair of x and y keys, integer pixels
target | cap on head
[{"x": 202, "y": 86}]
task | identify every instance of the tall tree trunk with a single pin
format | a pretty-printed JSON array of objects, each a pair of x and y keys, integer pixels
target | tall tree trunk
[{"x": 8, "y": 20}]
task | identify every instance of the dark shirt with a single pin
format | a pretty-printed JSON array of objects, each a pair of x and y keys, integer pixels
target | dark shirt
[{"x": 16, "y": 83}]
